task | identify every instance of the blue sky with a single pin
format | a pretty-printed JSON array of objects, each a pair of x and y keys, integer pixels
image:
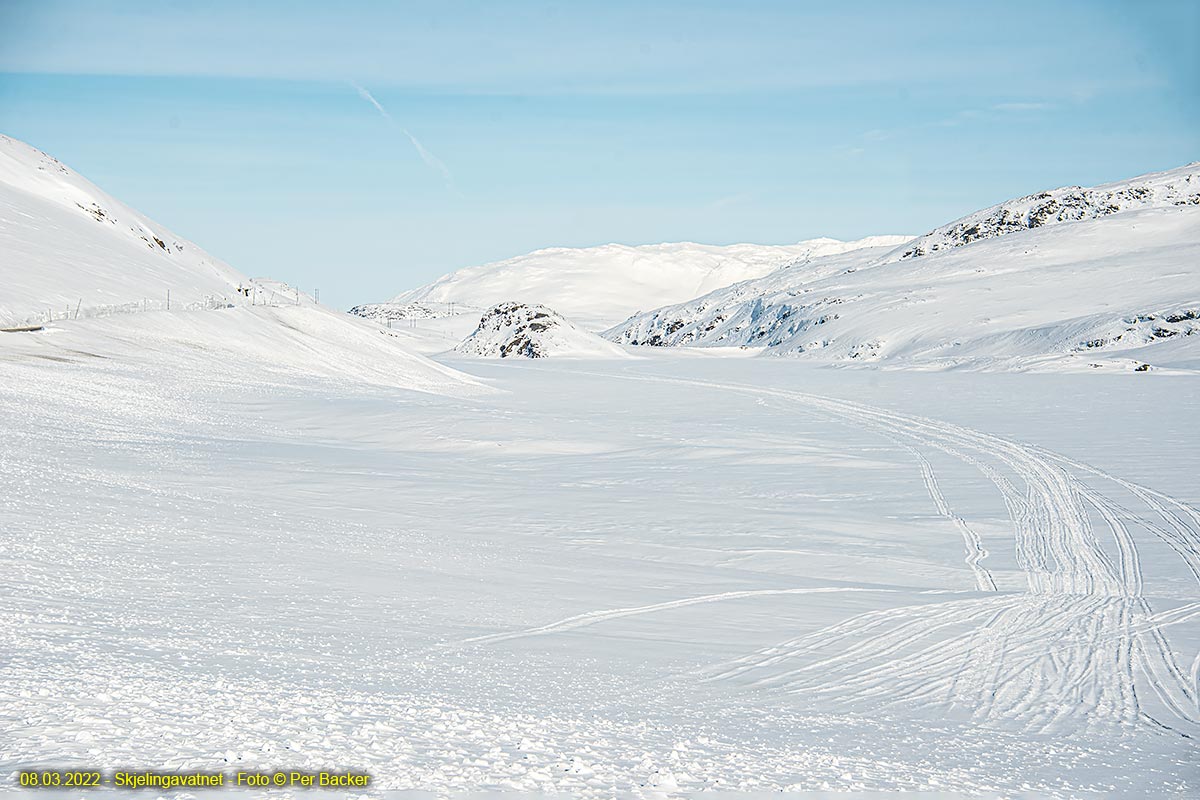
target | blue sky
[{"x": 518, "y": 125}]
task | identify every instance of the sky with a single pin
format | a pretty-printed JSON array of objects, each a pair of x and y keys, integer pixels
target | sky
[{"x": 364, "y": 148}]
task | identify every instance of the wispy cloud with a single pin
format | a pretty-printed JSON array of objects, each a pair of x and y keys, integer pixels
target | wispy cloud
[
  {"x": 1022, "y": 106},
  {"x": 431, "y": 161}
]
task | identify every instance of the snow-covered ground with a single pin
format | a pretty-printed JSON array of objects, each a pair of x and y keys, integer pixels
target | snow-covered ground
[
  {"x": 256, "y": 533},
  {"x": 638, "y": 578},
  {"x": 601, "y": 286}
]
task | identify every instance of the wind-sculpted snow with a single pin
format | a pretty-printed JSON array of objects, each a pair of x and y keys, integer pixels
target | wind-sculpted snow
[
  {"x": 1117, "y": 292},
  {"x": 1177, "y": 187},
  {"x": 604, "y": 285},
  {"x": 518, "y": 330}
]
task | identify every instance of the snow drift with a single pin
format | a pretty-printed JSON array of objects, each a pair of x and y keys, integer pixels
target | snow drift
[
  {"x": 600, "y": 286},
  {"x": 519, "y": 330}
]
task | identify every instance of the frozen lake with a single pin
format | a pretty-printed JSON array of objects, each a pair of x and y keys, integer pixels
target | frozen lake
[{"x": 646, "y": 577}]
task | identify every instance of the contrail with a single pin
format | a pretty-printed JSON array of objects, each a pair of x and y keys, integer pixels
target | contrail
[
  {"x": 370, "y": 98},
  {"x": 431, "y": 161}
]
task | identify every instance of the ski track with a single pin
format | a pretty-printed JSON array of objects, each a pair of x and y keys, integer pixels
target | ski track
[
  {"x": 1079, "y": 647},
  {"x": 972, "y": 542},
  {"x": 592, "y": 617}
]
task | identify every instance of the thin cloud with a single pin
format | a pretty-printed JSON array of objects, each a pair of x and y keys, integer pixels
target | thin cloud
[
  {"x": 431, "y": 161},
  {"x": 1022, "y": 106}
]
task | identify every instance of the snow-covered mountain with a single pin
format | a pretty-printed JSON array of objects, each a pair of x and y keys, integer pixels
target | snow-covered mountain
[
  {"x": 96, "y": 275},
  {"x": 1117, "y": 287},
  {"x": 600, "y": 286},
  {"x": 520, "y": 330}
]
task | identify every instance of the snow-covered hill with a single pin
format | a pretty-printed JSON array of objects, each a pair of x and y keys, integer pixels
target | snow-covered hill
[
  {"x": 600, "y": 286},
  {"x": 520, "y": 330},
  {"x": 1118, "y": 288},
  {"x": 66, "y": 246},
  {"x": 96, "y": 274},
  {"x": 385, "y": 313},
  {"x": 1177, "y": 187}
]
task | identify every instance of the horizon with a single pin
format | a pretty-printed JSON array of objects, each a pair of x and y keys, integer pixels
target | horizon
[{"x": 369, "y": 150}]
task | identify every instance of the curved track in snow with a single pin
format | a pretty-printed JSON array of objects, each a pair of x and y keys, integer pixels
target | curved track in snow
[
  {"x": 1081, "y": 644},
  {"x": 1077, "y": 645}
]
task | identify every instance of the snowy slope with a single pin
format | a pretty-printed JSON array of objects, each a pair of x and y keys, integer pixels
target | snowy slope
[
  {"x": 600, "y": 286},
  {"x": 96, "y": 274},
  {"x": 64, "y": 243},
  {"x": 1177, "y": 187},
  {"x": 1108, "y": 291},
  {"x": 519, "y": 330}
]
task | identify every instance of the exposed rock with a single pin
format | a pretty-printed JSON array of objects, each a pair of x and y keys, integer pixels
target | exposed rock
[{"x": 529, "y": 330}]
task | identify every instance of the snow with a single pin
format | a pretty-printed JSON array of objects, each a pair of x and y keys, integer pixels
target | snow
[
  {"x": 1102, "y": 293},
  {"x": 518, "y": 330},
  {"x": 66, "y": 247},
  {"x": 1177, "y": 187},
  {"x": 600, "y": 286},
  {"x": 97, "y": 274},
  {"x": 590, "y": 582},
  {"x": 386, "y": 313},
  {"x": 269, "y": 536}
]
